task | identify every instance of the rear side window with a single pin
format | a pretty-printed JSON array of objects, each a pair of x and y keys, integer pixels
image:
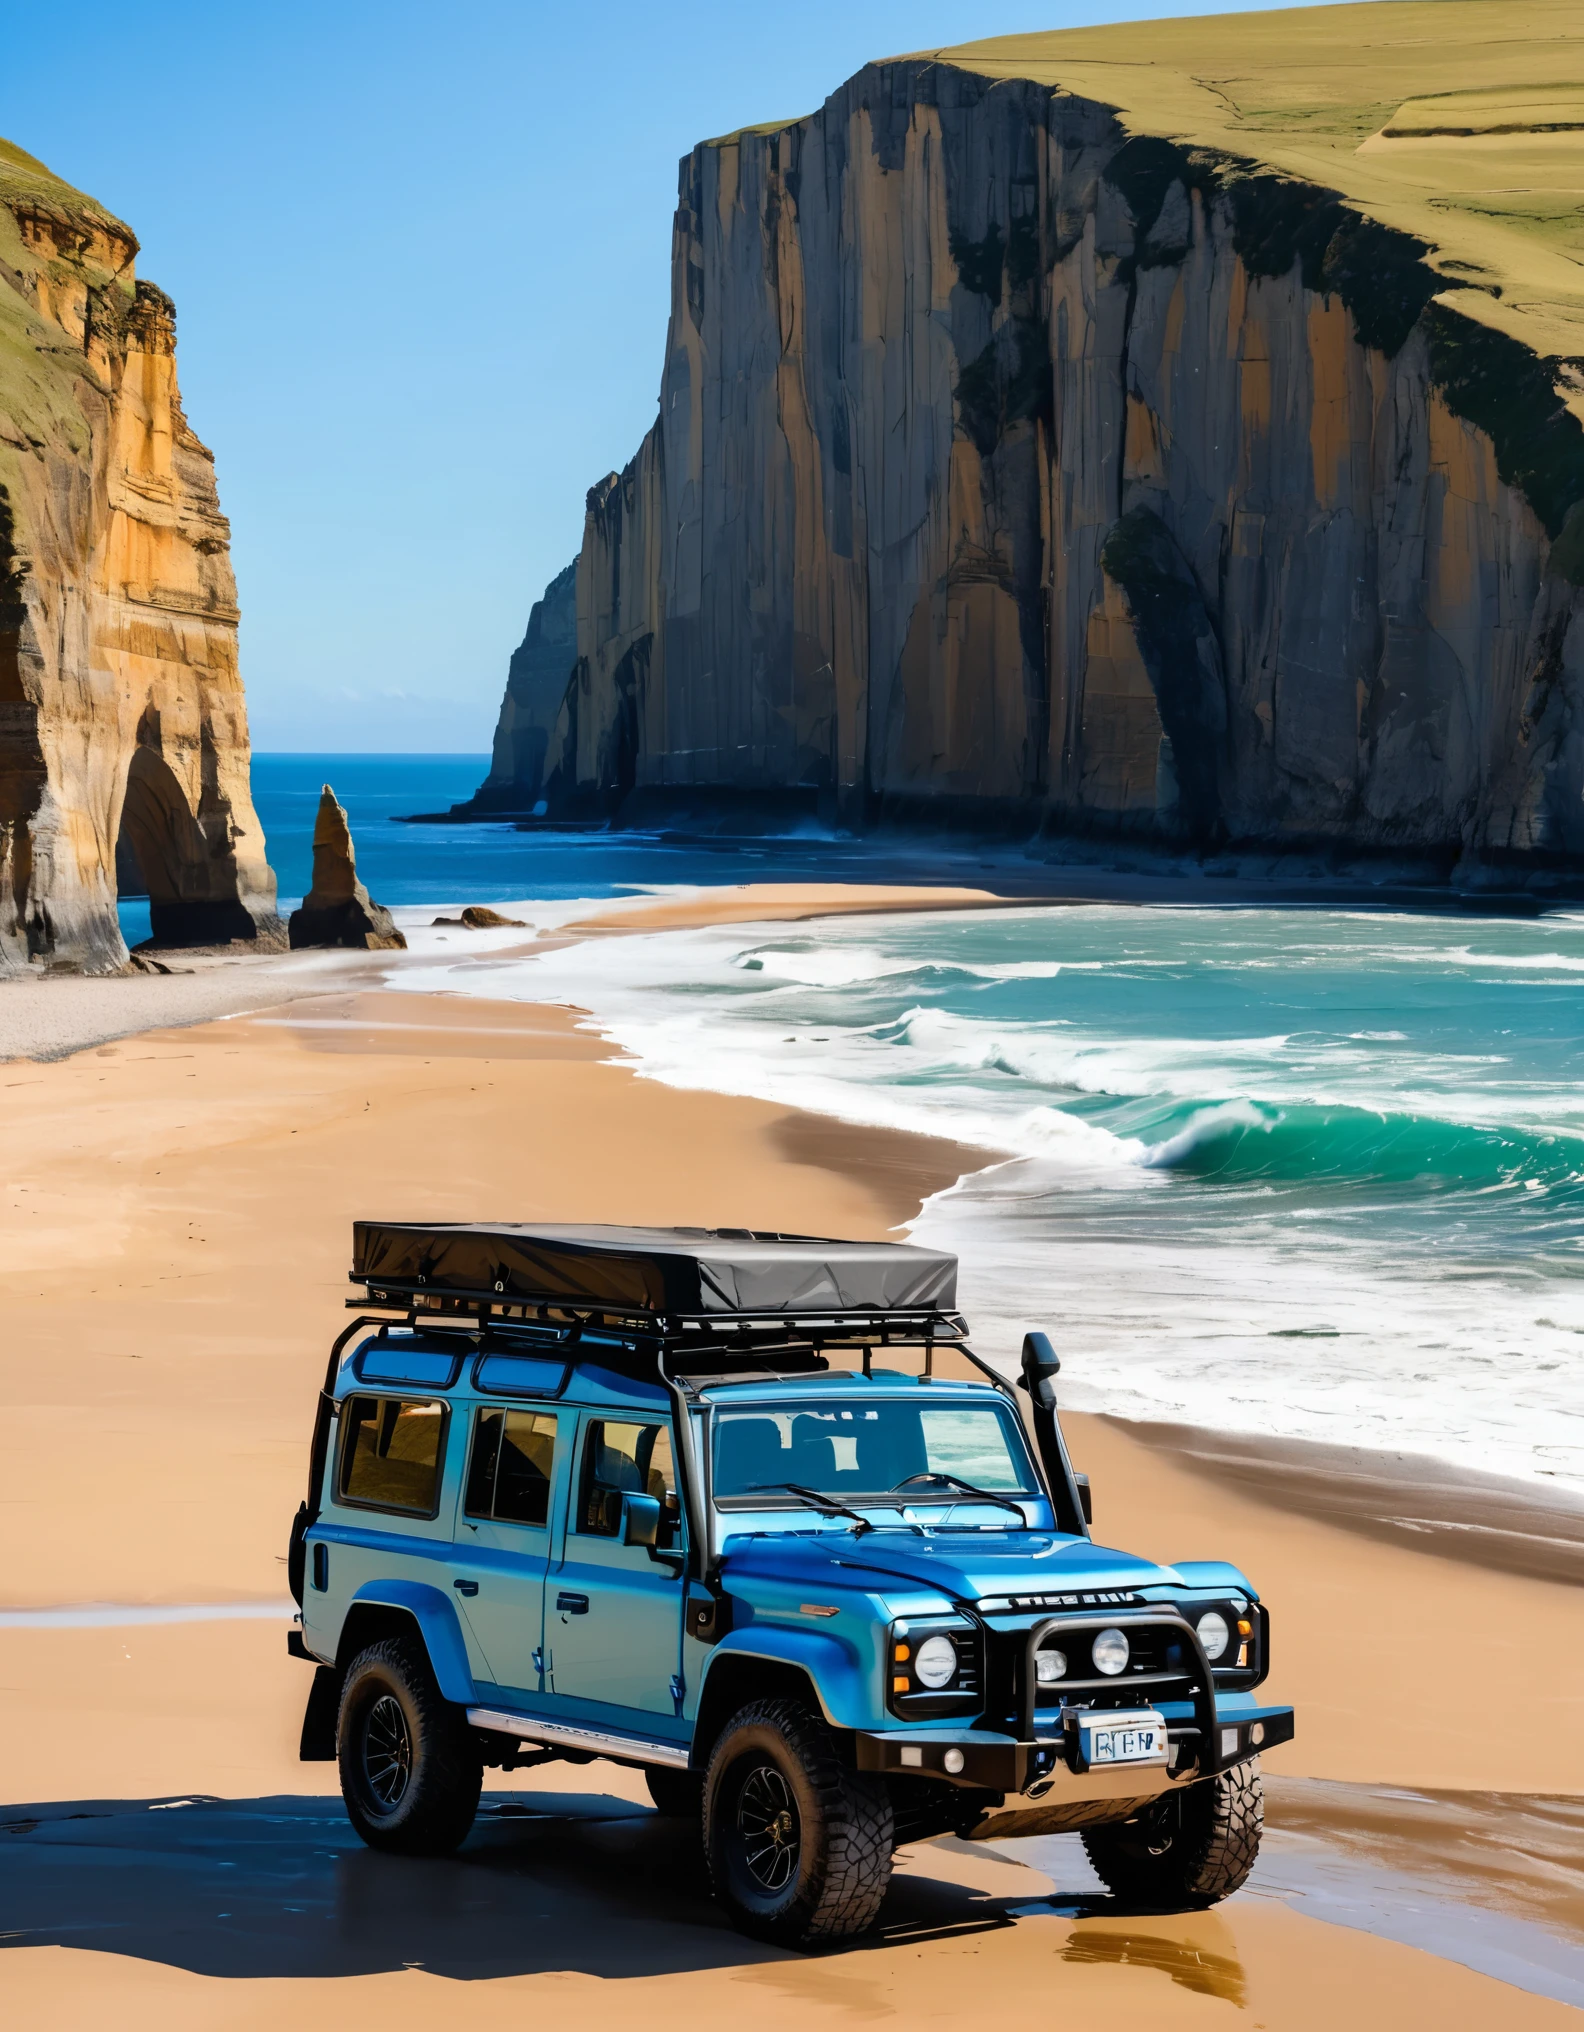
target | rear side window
[
  {"x": 390, "y": 1454},
  {"x": 620, "y": 1459},
  {"x": 510, "y": 1472}
]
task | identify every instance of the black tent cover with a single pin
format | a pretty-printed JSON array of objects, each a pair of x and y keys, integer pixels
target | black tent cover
[{"x": 657, "y": 1270}]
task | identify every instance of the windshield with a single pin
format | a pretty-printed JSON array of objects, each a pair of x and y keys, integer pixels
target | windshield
[{"x": 907, "y": 1448}]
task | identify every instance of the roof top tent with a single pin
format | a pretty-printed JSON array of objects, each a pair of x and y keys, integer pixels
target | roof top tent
[{"x": 711, "y": 1298}]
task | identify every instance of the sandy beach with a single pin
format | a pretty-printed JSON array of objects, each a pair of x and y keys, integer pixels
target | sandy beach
[{"x": 174, "y": 1234}]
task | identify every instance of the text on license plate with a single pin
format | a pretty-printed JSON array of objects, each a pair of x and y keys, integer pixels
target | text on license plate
[{"x": 1125, "y": 1746}]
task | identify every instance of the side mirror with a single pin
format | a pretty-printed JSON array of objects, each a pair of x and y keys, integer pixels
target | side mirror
[
  {"x": 1040, "y": 1363},
  {"x": 640, "y": 1520}
]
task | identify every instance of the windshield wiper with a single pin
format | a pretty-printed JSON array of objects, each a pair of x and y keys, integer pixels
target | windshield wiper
[
  {"x": 968, "y": 1489},
  {"x": 826, "y": 1505}
]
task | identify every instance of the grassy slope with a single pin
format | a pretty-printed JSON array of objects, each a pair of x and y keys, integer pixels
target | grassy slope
[{"x": 1459, "y": 121}]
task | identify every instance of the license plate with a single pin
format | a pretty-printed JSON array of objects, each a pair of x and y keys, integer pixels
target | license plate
[{"x": 1135, "y": 1743}]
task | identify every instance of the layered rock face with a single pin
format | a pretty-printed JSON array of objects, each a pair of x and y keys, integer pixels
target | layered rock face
[
  {"x": 1016, "y": 470},
  {"x": 124, "y": 756},
  {"x": 536, "y": 682}
]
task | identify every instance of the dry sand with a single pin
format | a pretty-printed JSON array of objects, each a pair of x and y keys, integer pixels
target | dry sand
[{"x": 174, "y": 1228}]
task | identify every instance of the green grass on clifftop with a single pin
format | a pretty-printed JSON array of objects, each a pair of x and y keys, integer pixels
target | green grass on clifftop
[{"x": 1460, "y": 122}]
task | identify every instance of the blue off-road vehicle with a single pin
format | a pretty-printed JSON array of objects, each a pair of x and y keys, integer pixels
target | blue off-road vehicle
[{"x": 744, "y": 1511}]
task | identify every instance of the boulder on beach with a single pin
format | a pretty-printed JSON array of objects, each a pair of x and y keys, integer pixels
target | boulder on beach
[
  {"x": 479, "y": 917},
  {"x": 338, "y": 910}
]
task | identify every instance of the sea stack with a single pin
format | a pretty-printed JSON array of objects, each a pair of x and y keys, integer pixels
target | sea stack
[
  {"x": 124, "y": 758},
  {"x": 338, "y": 910}
]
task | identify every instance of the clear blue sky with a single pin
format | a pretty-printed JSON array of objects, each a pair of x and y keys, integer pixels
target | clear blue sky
[{"x": 420, "y": 257}]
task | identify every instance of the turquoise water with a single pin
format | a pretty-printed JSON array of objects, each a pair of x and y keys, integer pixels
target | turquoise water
[{"x": 1305, "y": 1171}]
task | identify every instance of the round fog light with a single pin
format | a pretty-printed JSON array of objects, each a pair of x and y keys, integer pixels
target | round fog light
[
  {"x": 936, "y": 1663},
  {"x": 1213, "y": 1633},
  {"x": 1049, "y": 1666},
  {"x": 1111, "y": 1652},
  {"x": 953, "y": 1761}
]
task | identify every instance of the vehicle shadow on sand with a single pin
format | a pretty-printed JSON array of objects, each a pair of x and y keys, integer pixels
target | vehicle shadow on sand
[{"x": 283, "y": 1887}]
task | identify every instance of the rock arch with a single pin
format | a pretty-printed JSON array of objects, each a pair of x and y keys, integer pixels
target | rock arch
[{"x": 163, "y": 853}]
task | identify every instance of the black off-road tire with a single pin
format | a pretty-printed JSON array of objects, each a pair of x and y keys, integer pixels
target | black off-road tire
[
  {"x": 836, "y": 1851},
  {"x": 410, "y": 1769},
  {"x": 1188, "y": 1849},
  {"x": 677, "y": 1794}
]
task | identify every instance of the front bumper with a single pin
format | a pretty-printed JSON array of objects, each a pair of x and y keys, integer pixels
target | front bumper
[{"x": 1049, "y": 1764}]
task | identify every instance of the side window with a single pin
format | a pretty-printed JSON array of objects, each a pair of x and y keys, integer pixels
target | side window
[
  {"x": 620, "y": 1459},
  {"x": 513, "y": 1458},
  {"x": 390, "y": 1454}
]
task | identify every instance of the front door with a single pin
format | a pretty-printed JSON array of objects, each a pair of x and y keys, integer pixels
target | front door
[
  {"x": 613, "y": 1613},
  {"x": 503, "y": 1544}
]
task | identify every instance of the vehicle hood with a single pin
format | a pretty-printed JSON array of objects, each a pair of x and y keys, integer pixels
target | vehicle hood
[{"x": 970, "y": 1567}]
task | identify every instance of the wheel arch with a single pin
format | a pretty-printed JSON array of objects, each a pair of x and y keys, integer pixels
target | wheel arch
[
  {"x": 791, "y": 1670},
  {"x": 382, "y": 1609}
]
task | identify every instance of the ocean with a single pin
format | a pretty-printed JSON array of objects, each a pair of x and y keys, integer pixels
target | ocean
[
  {"x": 1313, "y": 1173},
  {"x": 1316, "y": 1173}
]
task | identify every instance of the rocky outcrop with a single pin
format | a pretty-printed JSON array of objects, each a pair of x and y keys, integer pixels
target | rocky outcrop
[
  {"x": 1016, "y": 467},
  {"x": 338, "y": 910},
  {"x": 536, "y": 682},
  {"x": 124, "y": 753}
]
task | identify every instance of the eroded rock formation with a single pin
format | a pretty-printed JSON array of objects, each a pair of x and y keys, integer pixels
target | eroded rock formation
[
  {"x": 338, "y": 910},
  {"x": 123, "y": 732},
  {"x": 1018, "y": 469},
  {"x": 536, "y": 682}
]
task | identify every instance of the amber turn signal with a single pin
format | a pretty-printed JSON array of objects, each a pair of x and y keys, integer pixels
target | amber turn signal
[{"x": 899, "y": 1685}]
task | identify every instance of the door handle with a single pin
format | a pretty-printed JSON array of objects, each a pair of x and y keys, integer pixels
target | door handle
[
  {"x": 572, "y": 1605},
  {"x": 465, "y": 1587}
]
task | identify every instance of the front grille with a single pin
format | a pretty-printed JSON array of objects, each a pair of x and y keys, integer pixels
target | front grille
[{"x": 1161, "y": 1666}]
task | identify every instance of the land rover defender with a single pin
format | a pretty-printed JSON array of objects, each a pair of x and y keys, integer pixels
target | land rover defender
[{"x": 746, "y": 1512}]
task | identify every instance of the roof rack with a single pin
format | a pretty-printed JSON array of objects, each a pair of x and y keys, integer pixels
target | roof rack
[{"x": 683, "y": 1336}]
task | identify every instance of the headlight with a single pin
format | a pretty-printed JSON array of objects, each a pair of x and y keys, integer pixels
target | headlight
[
  {"x": 1049, "y": 1666},
  {"x": 1213, "y": 1633},
  {"x": 1110, "y": 1652},
  {"x": 936, "y": 1663}
]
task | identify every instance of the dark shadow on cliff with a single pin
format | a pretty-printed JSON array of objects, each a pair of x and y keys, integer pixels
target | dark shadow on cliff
[{"x": 283, "y": 1887}]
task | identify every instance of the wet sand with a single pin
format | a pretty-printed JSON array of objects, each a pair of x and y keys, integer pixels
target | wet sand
[
  {"x": 173, "y": 1236},
  {"x": 1402, "y": 1499}
]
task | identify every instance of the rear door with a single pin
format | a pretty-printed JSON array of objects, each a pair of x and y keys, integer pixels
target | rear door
[
  {"x": 613, "y": 1613},
  {"x": 503, "y": 1540}
]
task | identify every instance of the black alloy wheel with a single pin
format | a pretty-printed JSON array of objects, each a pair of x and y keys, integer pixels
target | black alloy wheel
[
  {"x": 768, "y": 1828},
  {"x": 798, "y": 1843},
  {"x": 1190, "y": 1848},
  {"x": 410, "y": 1765},
  {"x": 386, "y": 1751}
]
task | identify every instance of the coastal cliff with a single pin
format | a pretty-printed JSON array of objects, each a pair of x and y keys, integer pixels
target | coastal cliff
[
  {"x": 124, "y": 758},
  {"x": 536, "y": 682},
  {"x": 1031, "y": 456}
]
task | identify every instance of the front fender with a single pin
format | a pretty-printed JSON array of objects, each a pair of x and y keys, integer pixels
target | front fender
[
  {"x": 841, "y": 1677},
  {"x": 1214, "y": 1573},
  {"x": 436, "y": 1618}
]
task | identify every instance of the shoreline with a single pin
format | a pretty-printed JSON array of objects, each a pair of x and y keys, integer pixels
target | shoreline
[{"x": 328, "y": 999}]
